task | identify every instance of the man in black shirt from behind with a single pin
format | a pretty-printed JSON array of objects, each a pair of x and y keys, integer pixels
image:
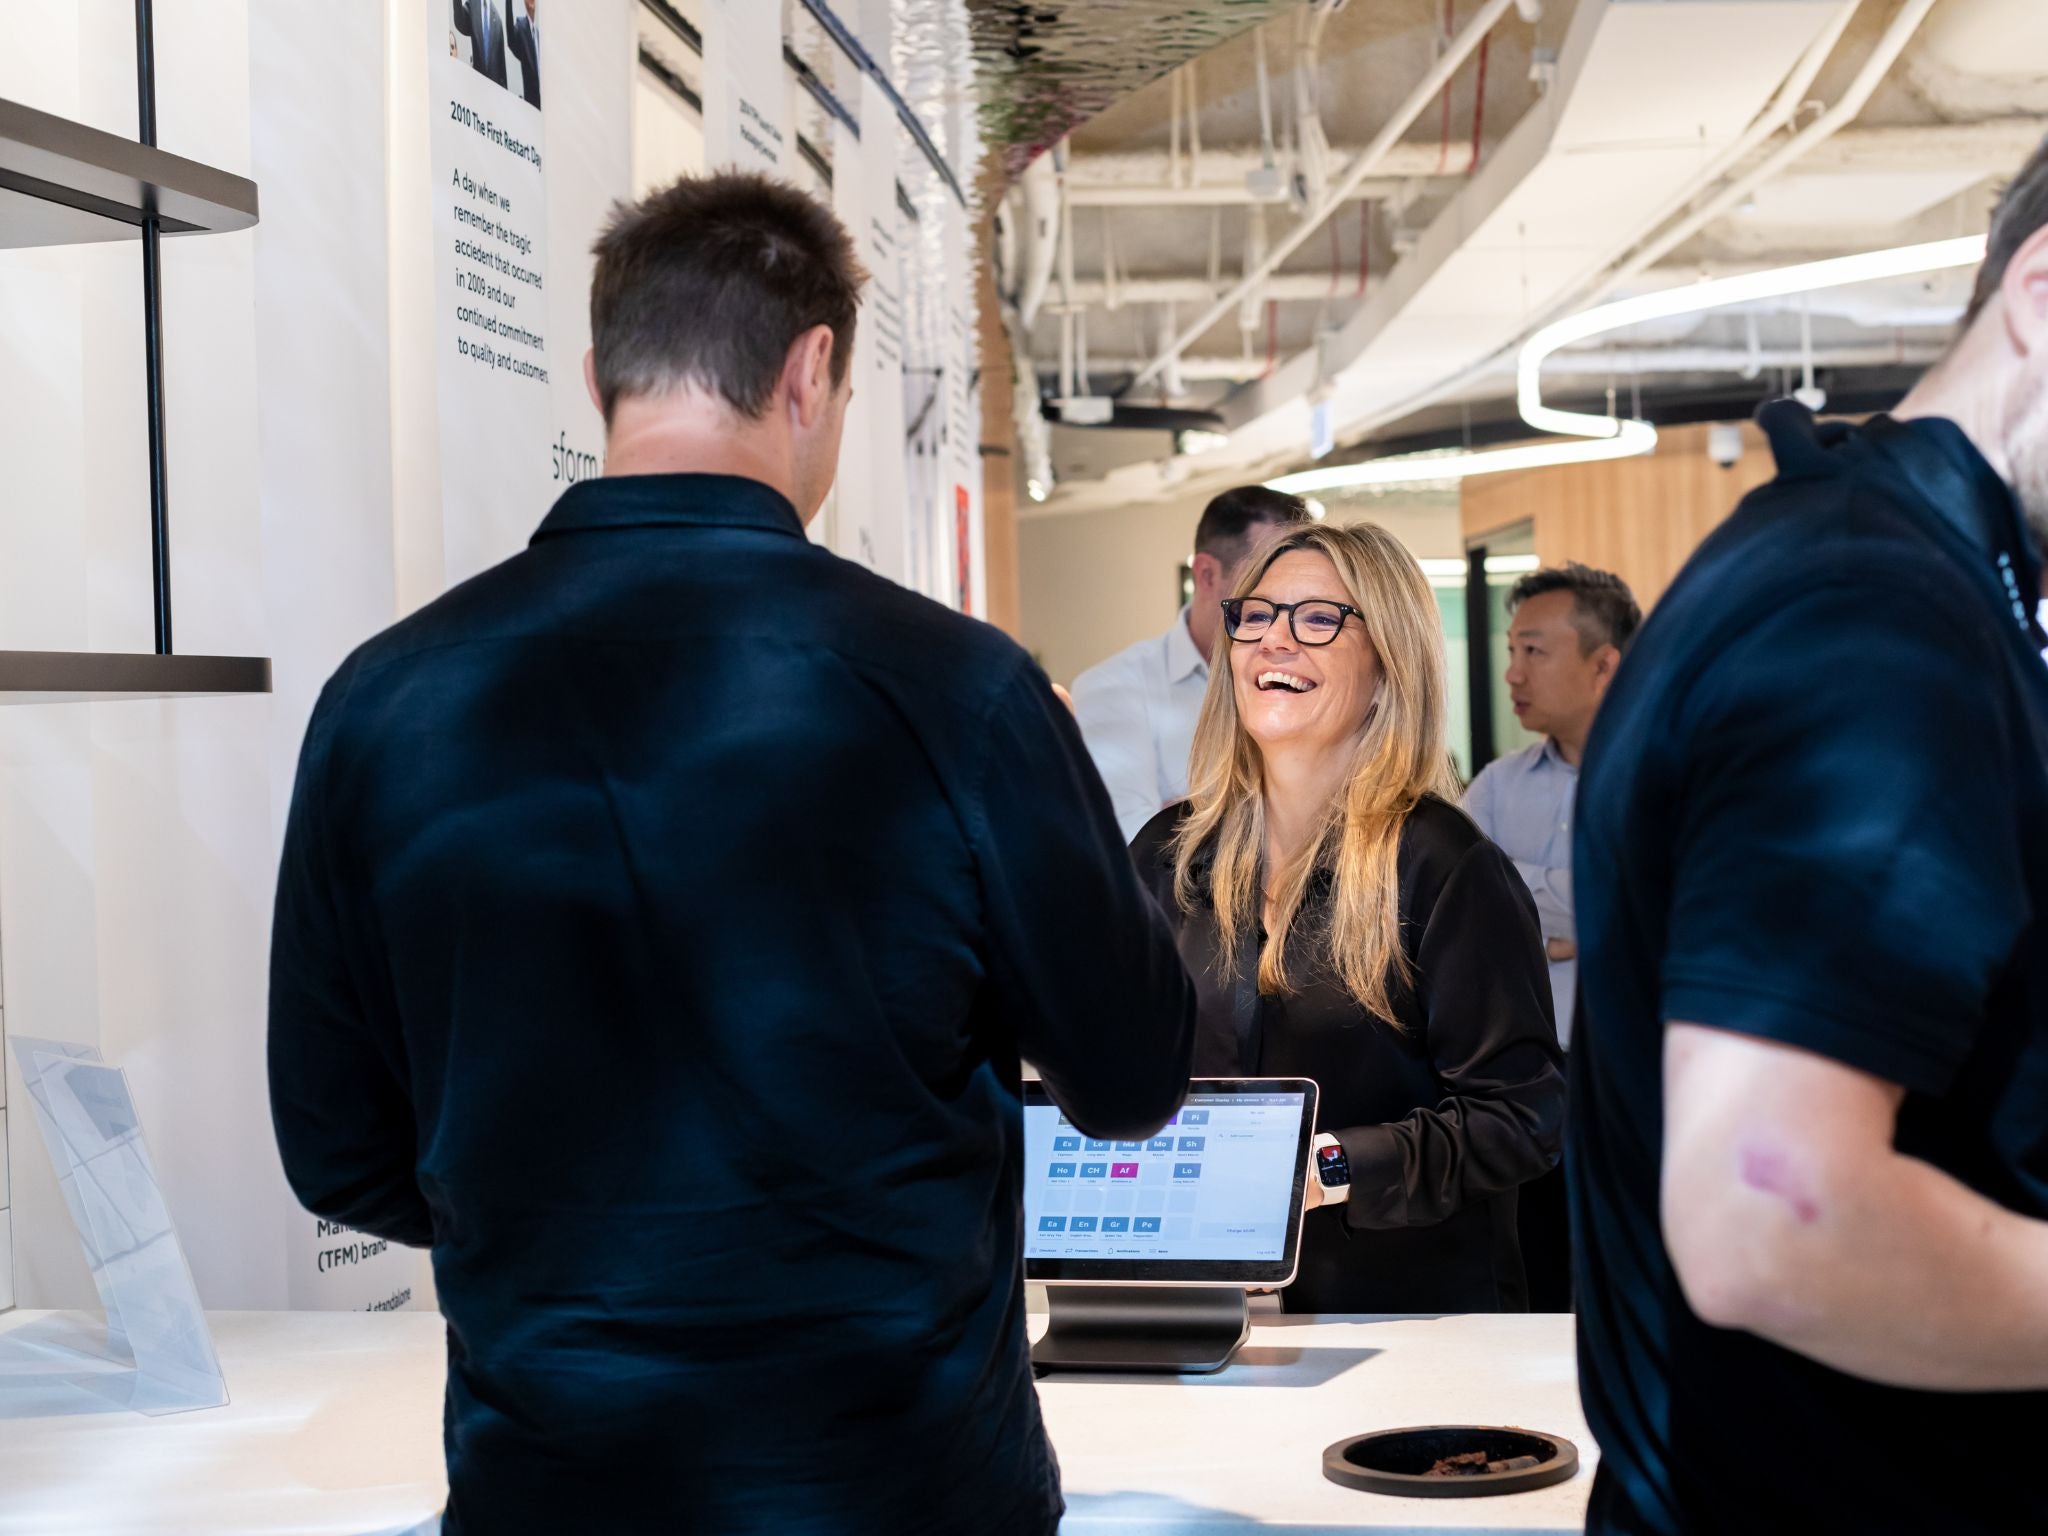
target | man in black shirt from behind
[
  {"x": 1809, "y": 1145},
  {"x": 663, "y": 915}
]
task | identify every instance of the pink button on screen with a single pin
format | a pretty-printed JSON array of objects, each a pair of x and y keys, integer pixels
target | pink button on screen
[{"x": 1123, "y": 1170}]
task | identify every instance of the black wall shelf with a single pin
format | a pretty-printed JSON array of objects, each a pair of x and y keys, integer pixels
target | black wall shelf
[
  {"x": 98, "y": 677},
  {"x": 64, "y": 183}
]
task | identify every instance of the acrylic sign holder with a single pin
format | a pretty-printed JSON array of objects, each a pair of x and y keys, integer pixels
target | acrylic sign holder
[{"x": 151, "y": 1351}]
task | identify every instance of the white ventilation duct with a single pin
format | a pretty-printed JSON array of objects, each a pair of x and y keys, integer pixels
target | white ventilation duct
[{"x": 1650, "y": 93}]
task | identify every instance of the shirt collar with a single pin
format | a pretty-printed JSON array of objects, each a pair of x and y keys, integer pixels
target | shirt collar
[
  {"x": 1947, "y": 474},
  {"x": 1955, "y": 478},
  {"x": 1183, "y": 658},
  {"x": 1553, "y": 754},
  {"x": 670, "y": 501}
]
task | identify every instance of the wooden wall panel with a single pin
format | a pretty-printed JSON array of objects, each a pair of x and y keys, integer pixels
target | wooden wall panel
[
  {"x": 998, "y": 454},
  {"x": 1640, "y": 518}
]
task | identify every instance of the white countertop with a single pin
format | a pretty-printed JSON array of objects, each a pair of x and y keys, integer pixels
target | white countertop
[
  {"x": 1202, "y": 1455},
  {"x": 334, "y": 1429}
]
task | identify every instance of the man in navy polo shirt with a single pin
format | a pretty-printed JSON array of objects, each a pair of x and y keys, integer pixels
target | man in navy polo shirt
[{"x": 1809, "y": 1146}]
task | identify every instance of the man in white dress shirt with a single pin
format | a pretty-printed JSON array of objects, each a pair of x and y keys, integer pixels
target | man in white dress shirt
[{"x": 1138, "y": 708}]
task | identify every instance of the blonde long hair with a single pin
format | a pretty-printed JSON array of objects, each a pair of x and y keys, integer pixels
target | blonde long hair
[{"x": 1400, "y": 756}]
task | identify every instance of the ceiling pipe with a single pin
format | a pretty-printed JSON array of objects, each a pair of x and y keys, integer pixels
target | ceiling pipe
[
  {"x": 1252, "y": 298},
  {"x": 1066, "y": 277},
  {"x": 1840, "y": 115},
  {"x": 1313, "y": 154},
  {"x": 1783, "y": 107},
  {"x": 1040, "y": 194},
  {"x": 1200, "y": 290},
  {"x": 1224, "y": 194},
  {"x": 1004, "y": 225},
  {"x": 1266, "y": 147},
  {"x": 1174, "y": 174},
  {"x": 1222, "y": 174},
  {"x": 1314, "y": 286},
  {"x": 1138, "y": 178},
  {"x": 1412, "y": 107},
  {"x": 1784, "y": 104},
  {"x": 1591, "y": 362},
  {"x": 1034, "y": 440}
]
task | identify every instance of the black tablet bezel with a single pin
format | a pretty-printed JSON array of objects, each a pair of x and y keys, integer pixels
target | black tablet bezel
[{"x": 1195, "y": 1271}]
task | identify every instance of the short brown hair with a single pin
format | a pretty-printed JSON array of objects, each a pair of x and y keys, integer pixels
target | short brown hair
[
  {"x": 2021, "y": 212},
  {"x": 1225, "y": 530},
  {"x": 710, "y": 281}
]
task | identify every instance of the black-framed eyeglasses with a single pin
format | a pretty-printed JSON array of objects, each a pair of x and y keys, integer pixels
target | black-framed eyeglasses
[{"x": 1315, "y": 622}]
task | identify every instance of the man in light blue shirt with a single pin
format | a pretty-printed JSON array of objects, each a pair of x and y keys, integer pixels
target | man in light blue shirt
[
  {"x": 1138, "y": 709},
  {"x": 1567, "y": 630}
]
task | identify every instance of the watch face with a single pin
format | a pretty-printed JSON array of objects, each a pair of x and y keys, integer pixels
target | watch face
[{"x": 1332, "y": 1167}]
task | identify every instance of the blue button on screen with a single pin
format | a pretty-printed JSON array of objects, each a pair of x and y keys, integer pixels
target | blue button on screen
[
  {"x": 1061, "y": 1171},
  {"x": 1159, "y": 1144},
  {"x": 1187, "y": 1170},
  {"x": 1052, "y": 1223},
  {"x": 1193, "y": 1143},
  {"x": 1116, "y": 1223},
  {"x": 1081, "y": 1224},
  {"x": 1147, "y": 1224},
  {"x": 1095, "y": 1170},
  {"x": 1194, "y": 1117},
  {"x": 1130, "y": 1146},
  {"x": 1098, "y": 1146}
]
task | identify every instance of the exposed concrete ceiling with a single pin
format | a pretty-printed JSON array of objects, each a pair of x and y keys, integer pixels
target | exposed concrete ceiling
[{"x": 1155, "y": 235}]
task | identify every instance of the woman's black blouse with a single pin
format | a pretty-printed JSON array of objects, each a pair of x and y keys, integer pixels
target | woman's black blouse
[{"x": 1443, "y": 1118}]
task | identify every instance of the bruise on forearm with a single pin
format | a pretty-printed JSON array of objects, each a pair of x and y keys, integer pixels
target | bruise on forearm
[{"x": 1766, "y": 1169}]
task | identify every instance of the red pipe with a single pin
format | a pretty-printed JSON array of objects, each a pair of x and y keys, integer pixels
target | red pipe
[
  {"x": 1479, "y": 104},
  {"x": 1364, "y": 246},
  {"x": 1443, "y": 137}
]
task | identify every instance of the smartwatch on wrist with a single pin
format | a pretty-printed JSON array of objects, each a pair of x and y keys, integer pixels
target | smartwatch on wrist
[{"x": 1333, "y": 1168}]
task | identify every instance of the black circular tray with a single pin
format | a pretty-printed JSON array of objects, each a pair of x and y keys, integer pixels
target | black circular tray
[{"x": 1398, "y": 1461}]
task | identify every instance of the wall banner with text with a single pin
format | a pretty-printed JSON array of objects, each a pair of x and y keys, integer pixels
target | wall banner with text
[
  {"x": 746, "y": 89},
  {"x": 871, "y": 514},
  {"x": 492, "y": 367}
]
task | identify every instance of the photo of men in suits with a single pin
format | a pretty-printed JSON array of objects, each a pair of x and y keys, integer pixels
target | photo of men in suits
[
  {"x": 526, "y": 49},
  {"x": 484, "y": 25}
]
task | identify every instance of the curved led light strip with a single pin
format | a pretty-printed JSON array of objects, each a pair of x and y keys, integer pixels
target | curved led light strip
[
  {"x": 1422, "y": 468},
  {"x": 1591, "y": 438},
  {"x": 1748, "y": 288}
]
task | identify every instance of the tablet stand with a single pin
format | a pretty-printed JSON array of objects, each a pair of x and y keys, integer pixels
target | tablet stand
[{"x": 1162, "y": 1329}]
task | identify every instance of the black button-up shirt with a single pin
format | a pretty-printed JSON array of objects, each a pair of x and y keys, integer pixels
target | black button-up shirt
[
  {"x": 662, "y": 917},
  {"x": 1444, "y": 1110}
]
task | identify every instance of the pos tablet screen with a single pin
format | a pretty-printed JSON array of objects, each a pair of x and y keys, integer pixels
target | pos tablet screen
[{"x": 1215, "y": 1198}]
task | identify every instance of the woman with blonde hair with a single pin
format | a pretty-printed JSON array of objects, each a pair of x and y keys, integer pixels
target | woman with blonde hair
[{"x": 1344, "y": 921}]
